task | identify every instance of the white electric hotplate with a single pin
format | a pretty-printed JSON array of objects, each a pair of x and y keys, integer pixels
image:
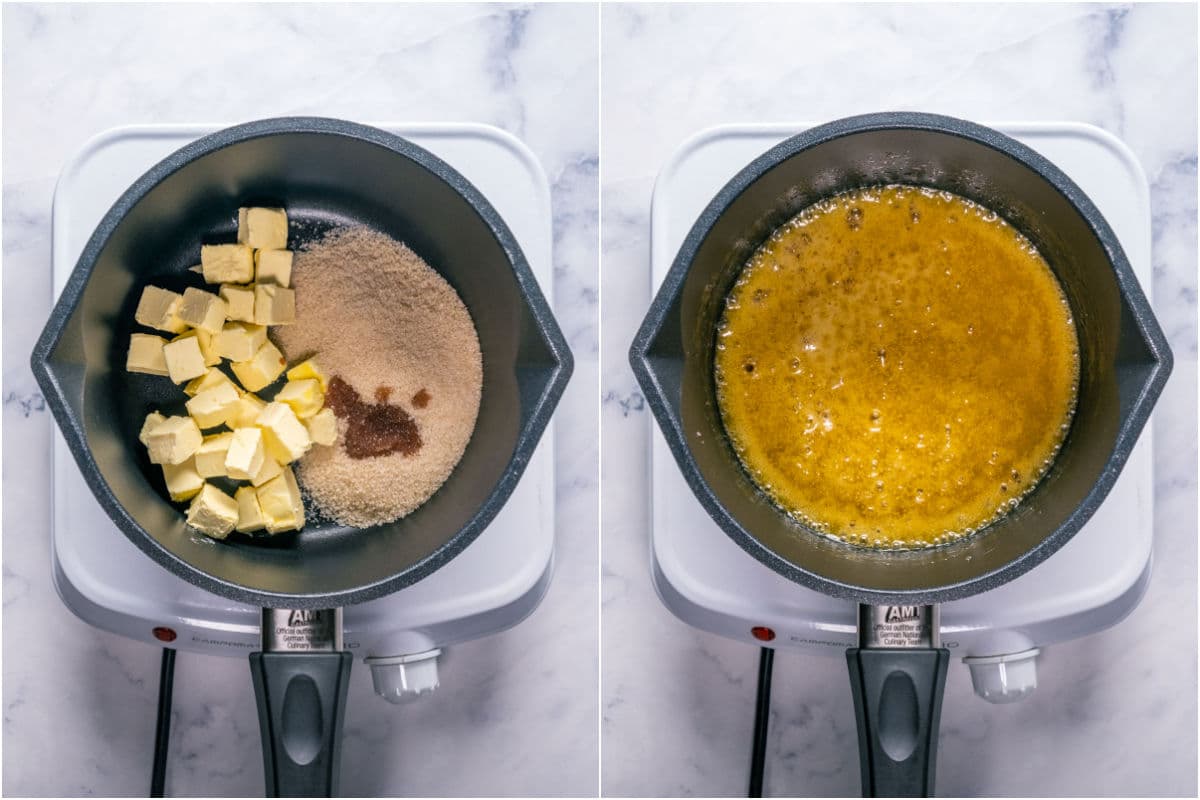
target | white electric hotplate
[
  {"x": 492, "y": 585},
  {"x": 1093, "y": 582}
]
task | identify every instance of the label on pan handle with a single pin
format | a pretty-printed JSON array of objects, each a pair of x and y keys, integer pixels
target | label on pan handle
[
  {"x": 898, "y": 626},
  {"x": 301, "y": 630}
]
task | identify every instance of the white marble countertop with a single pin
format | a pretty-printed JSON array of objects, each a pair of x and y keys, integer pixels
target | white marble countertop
[
  {"x": 1115, "y": 713},
  {"x": 517, "y": 713}
]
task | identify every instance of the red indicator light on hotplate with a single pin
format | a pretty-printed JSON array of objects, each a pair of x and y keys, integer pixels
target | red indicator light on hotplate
[
  {"x": 762, "y": 634},
  {"x": 168, "y": 635}
]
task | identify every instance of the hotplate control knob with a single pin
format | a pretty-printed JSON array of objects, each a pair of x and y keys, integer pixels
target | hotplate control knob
[
  {"x": 402, "y": 679},
  {"x": 1004, "y": 678}
]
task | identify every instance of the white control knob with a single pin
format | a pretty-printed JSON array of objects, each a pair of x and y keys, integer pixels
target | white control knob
[
  {"x": 1006, "y": 678},
  {"x": 402, "y": 679}
]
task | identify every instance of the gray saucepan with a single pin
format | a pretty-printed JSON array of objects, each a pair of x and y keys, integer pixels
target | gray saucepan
[
  {"x": 1125, "y": 362},
  {"x": 325, "y": 173}
]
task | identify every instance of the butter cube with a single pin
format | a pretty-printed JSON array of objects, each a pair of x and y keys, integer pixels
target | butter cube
[
  {"x": 213, "y": 407},
  {"x": 294, "y": 496},
  {"x": 238, "y": 341},
  {"x": 239, "y": 302},
  {"x": 273, "y": 266},
  {"x": 262, "y": 370},
  {"x": 263, "y": 228},
  {"x": 213, "y": 512},
  {"x": 209, "y": 380},
  {"x": 210, "y": 458},
  {"x": 152, "y": 419},
  {"x": 322, "y": 427},
  {"x": 304, "y": 396},
  {"x": 184, "y": 359},
  {"x": 281, "y": 503},
  {"x": 246, "y": 454},
  {"x": 250, "y": 516},
  {"x": 183, "y": 480},
  {"x": 146, "y": 354},
  {"x": 173, "y": 441},
  {"x": 274, "y": 305},
  {"x": 270, "y": 468},
  {"x": 207, "y": 348},
  {"x": 203, "y": 310},
  {"x": 286, "y": 437},
  {"x": 309, "y": 369},
  {"x": 157, "y": 308},
  {"x": 247, "y": 411},
  {"x": 227, "y": 263}
]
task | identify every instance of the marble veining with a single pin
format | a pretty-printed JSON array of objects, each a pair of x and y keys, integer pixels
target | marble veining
[
  {"x": 1115, "y": 713},
  {"x": 517, "y": 712}
]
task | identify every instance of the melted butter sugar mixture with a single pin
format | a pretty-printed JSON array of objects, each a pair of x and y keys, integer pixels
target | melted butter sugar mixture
[{"x": 896, "y": 367}]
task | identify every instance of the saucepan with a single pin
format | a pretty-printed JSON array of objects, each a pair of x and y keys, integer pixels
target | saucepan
[
  {"x": 325, "y": 173},
  {"x": 898, "y": 671}
]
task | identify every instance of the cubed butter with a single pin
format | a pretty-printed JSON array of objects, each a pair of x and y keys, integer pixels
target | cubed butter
[
  {"x": 146, "y": 354},
  {"x": 273, "y": 266},
  {"x": 286, "y": 437},
  {"x": 248, "y": 409},
  {"x": 215, "y": 406},
  {"x": 210, "y": 458},
  {"x": 281, "y": 503},
  {"x": 246, "y": 454},
  {"x": 274, "y": 305},
  {"x": 152, "y": 419},
  {"x": 309, "y": 369},
  {"x": 293, "y": 487},
  {"x": 183, "y": 481},
  {"x": 213, "y": 512},
  {"x": 184, "y": 359},
  {"x": 239, "y": 302},
  {"x": 207, "y": 347},
  {"x": 322, "y": 427},
  {"x": 304, "y": 396},
  {"x": 158, "y": 308},
  {"x": 270, "y": 468},
  {"x": 227, "y": 263},
  {"x": 263, "y": 228},
  {"x": 250, "y": 516},
  {"x": 239, "y": 341},
  {"x": 262, "y": 370},
  {"x": 203, "y": 310},
  {"x": 209, "y": 380},
  {"x": 174, "y": 440}
]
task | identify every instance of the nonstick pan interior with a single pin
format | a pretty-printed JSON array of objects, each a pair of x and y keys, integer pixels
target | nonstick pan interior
[
  {"x": 1124, "y": 357},
  {"x": 325, "y": 173}
]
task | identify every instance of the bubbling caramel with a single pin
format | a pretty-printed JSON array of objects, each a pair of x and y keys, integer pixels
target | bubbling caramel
[{"x": 896, "y": 367}]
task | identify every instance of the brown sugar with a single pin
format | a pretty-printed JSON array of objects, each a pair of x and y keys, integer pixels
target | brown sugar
[{"x": 388, "y": 327}]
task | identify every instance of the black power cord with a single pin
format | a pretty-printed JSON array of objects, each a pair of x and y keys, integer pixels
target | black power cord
[
  {"x": 162, "y": 732},
  {"x": 762, "y": 717}
]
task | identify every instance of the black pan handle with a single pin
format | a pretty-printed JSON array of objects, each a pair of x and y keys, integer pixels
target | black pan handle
[
  {"x": 300, "y": 682},
  {"x": 898, "y": 703},
  {"x": 898, "y": 677},
  {"x": 301, "y": 702}
]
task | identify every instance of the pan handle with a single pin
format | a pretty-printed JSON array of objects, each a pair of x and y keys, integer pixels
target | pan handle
[
  {"x": 300, "y": 683},
  {"x": 898, "y": 678}
]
